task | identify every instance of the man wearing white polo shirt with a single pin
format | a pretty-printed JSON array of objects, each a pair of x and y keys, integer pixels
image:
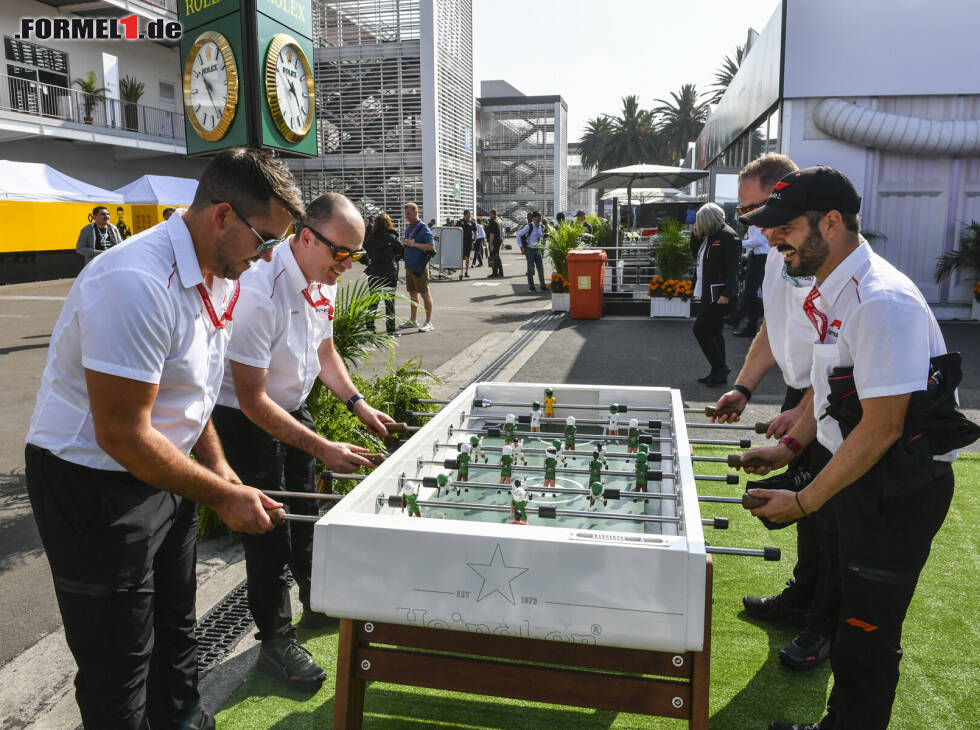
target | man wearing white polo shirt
[
  {"x": 283, "y": 342},
  {"x": 134, "y": 368},
  {"x": 874, "y": 334}
]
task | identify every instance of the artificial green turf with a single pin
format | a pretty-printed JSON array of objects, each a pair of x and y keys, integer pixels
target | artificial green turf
[{"x": 749, "y": 687}]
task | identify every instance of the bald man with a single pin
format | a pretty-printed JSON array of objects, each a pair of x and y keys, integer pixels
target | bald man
[{"x": 283, "y": 342}]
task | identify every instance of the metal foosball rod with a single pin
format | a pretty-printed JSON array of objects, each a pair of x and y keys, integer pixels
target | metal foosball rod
[
  {"x": 732, "y": 460},
  {"x": 708, "y": 411},
  {"x": 652, "y": 475},
  {"x": 644, "y": 438},
  {"x": 652, "y": 425},
  {"x": 769, "y": 554},
  {"x": 719, "y": 523},
  {"x": 540, "y": 489}
]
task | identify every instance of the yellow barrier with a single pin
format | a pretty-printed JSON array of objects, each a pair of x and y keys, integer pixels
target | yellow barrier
[{"x": 35, "y": 226}]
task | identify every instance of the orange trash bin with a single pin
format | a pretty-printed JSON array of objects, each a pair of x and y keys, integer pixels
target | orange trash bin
[{"x": 586, "y": 270}]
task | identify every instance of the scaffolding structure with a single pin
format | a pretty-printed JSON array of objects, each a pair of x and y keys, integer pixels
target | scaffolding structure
[
  {"x": 524, "y": 155},
  {"x": 394, "y": 95}
]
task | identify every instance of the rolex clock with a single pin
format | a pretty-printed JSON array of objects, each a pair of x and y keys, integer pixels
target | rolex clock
[
  {"x": 289, "y": 87},
  {"x": 210, "y": 86}
]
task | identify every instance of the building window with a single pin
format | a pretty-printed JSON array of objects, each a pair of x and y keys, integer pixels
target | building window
[{"x": 37, "y": 77}]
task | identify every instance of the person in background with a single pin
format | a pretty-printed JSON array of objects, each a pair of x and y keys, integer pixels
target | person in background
[
  {"x": 530, "y": 238},
  {"x": 715, "y": 248},
  {"x": 469, "y": 234},
  {"x": 384, "y": 248},
  {"x": 432, "y": 223},
  {"x": 559, "y": 219},
  {"x": 98, "y": 236},
  {"x": 494, "y": 240},
  {"x": 418, "y": 243},
  {"x": 756, "y": 248},
  {"x": 167, "y": 212},
  {"x": 581, "y": 219},
  {"x": 124, "y": 231},
  {"x": 480, "y": 244}
]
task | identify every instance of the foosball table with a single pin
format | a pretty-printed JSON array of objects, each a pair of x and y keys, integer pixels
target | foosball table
[{"x": 529, "y": 541}]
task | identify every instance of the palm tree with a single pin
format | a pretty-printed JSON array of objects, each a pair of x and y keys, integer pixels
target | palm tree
[
  {"x": 634, "y": 138},
  {"x": 681, "y": 119},
  {"x": 593, "y": 142},
  {"x": 725, "y": 73}
]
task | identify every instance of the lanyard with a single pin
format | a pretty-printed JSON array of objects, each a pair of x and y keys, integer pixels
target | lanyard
[
  {"x": 817, "y": 318},
  {"x": 226, "y": 317},
  {"x": 319, "y": 303}
]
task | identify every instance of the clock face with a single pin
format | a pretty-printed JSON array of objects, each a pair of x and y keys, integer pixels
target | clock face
[
  {"x": 210, "y": 86},
  {"x": 289, "y": 88}
]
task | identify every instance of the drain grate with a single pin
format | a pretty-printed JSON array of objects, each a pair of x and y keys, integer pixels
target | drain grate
[{"x": 224, "y": 626}]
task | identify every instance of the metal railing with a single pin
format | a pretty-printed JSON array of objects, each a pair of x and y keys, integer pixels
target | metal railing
[{"x": 57, "y": 102}]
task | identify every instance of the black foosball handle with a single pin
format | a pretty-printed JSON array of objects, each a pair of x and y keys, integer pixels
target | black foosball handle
[
  {"x": 761, "y": 427},
  {"x": 325, "y": 481},
  {"x": 771, "y": 554},
  {"x": 712, "y": 412},
  {"x": 735, "y": 461},
  {"x": 750, "y": 501},
  {"x": 720, "y": 523}
]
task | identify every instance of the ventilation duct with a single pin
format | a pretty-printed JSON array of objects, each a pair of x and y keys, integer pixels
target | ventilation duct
[{"x": 868, "y": 127}]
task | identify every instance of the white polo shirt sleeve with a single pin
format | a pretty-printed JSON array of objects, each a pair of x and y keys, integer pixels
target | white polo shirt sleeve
[
  {"x": 125, "y": 324},
  {"x": 255, "y": 329},
  {"x": 891, "y": 351}
]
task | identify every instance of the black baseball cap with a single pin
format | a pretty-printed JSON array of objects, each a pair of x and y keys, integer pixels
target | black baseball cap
[{"x": 813, "y": 188}]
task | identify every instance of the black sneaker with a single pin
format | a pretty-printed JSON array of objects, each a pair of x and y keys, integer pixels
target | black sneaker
[
  {"x": 774, "y": 608},
  {"x": 795, "y": 726},
  {"x": 808, "y": 650},
  {"x": 291, "y": 663}
]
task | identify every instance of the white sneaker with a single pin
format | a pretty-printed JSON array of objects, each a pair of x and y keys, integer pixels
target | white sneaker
[
  {"x": 426, "y": 327},
  {"x": 408, "y": 325}
]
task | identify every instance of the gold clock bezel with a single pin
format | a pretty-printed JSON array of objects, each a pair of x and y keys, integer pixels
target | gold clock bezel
[
  {"x": 278, "y": 42},
  {"x": 231, "y": 103}
]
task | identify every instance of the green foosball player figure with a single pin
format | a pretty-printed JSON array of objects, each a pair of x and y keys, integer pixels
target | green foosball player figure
[
  {"x": 549, "y": 402},
  {"x": 613, "y": 428},
  {"x": 641, "y": 472},
  {"x": 510, "y": 426},
  {"x": 550, "y": 466},
  {"x": 595, "y": 493},
  {"x": 570, "y": 433},
  {"x": 644, "y": 448},
  {"x": 595, "y": 467},
  {"x": 463, "y": 463},
  {"x": 411, "y": 499},
  {"x": 633, "y": 436},
  {"x": 506, "y": 464},
  {"x": 535, "y": 417},
  {"x": 518, "y": 504},
  {"x": 442, "y": 482}
]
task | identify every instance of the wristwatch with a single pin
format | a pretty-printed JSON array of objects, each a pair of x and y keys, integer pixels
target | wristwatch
[{"x": 353, "y": 401}]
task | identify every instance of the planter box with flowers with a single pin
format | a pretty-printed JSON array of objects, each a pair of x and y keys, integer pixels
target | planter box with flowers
[
  {"x": 560, "y": 296},
  {"x": 670, "y": 297}
]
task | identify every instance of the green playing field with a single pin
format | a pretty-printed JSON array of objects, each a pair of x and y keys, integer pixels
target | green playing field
[{"x": 485, "y": 471}]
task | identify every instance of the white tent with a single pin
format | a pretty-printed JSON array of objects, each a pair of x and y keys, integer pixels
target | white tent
[
  {"x": 37, "y": 182},
  {"x": 159, "y": 190}
]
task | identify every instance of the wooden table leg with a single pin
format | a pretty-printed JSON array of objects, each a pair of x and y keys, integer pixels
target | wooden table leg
[
  {"x": 348, "y": 708},
  {"x": 701, "y": 671}
]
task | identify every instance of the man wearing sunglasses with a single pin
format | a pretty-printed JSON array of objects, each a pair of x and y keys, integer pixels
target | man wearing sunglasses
[
  {"x": 283, "y": 342},
  {"x": 134, "y": 368}
]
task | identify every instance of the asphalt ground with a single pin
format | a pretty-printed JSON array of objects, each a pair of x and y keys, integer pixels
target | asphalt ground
[{"x": 475, "y": 319}]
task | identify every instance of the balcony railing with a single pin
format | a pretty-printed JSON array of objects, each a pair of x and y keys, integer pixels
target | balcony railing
[{"x": 70, "y": 105}]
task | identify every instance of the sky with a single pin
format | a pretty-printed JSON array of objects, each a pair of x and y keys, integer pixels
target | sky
[{"x": 594, "y": 53}]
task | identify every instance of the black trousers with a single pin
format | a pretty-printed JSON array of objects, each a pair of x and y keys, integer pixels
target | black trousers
[
  {"x": 388, "y": 283},
  {"x": 708, "y": 329},
  {"x": 751, "y": 302},
  {"x": 878, "y": 545},
  {"x": 534, "y": 260},
  {"x": 264, "y": 462},
  {"x": 122, "y": 555},
  {"x": 495, "y": 261}
]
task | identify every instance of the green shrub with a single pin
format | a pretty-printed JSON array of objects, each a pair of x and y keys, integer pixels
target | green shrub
[
  {"x": 602, "y": 232},
  {"x": 672, "y": 256},
  {"x": 563, "y": 239}
]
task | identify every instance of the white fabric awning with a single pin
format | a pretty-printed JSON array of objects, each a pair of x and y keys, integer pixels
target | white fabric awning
[{"x": 34, "y": 181}]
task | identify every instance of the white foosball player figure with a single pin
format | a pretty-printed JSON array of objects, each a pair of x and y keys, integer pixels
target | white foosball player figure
[
  {"x": 410, "y": 499},
  {"x": 535, "y": 417},
  {"x": 463, "y": 463},
  {"x": 570, "y": 433},
  {"x": 519, "y": 452},
  {"x": 518, "y": 504},
  {"x": 633, "y": 437},
  {"x": 506, "y": 464},
  {"x": 510, "y": 425},
  {"x": 613, "y": 429},
  {"x": 476, "y": 449}
]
